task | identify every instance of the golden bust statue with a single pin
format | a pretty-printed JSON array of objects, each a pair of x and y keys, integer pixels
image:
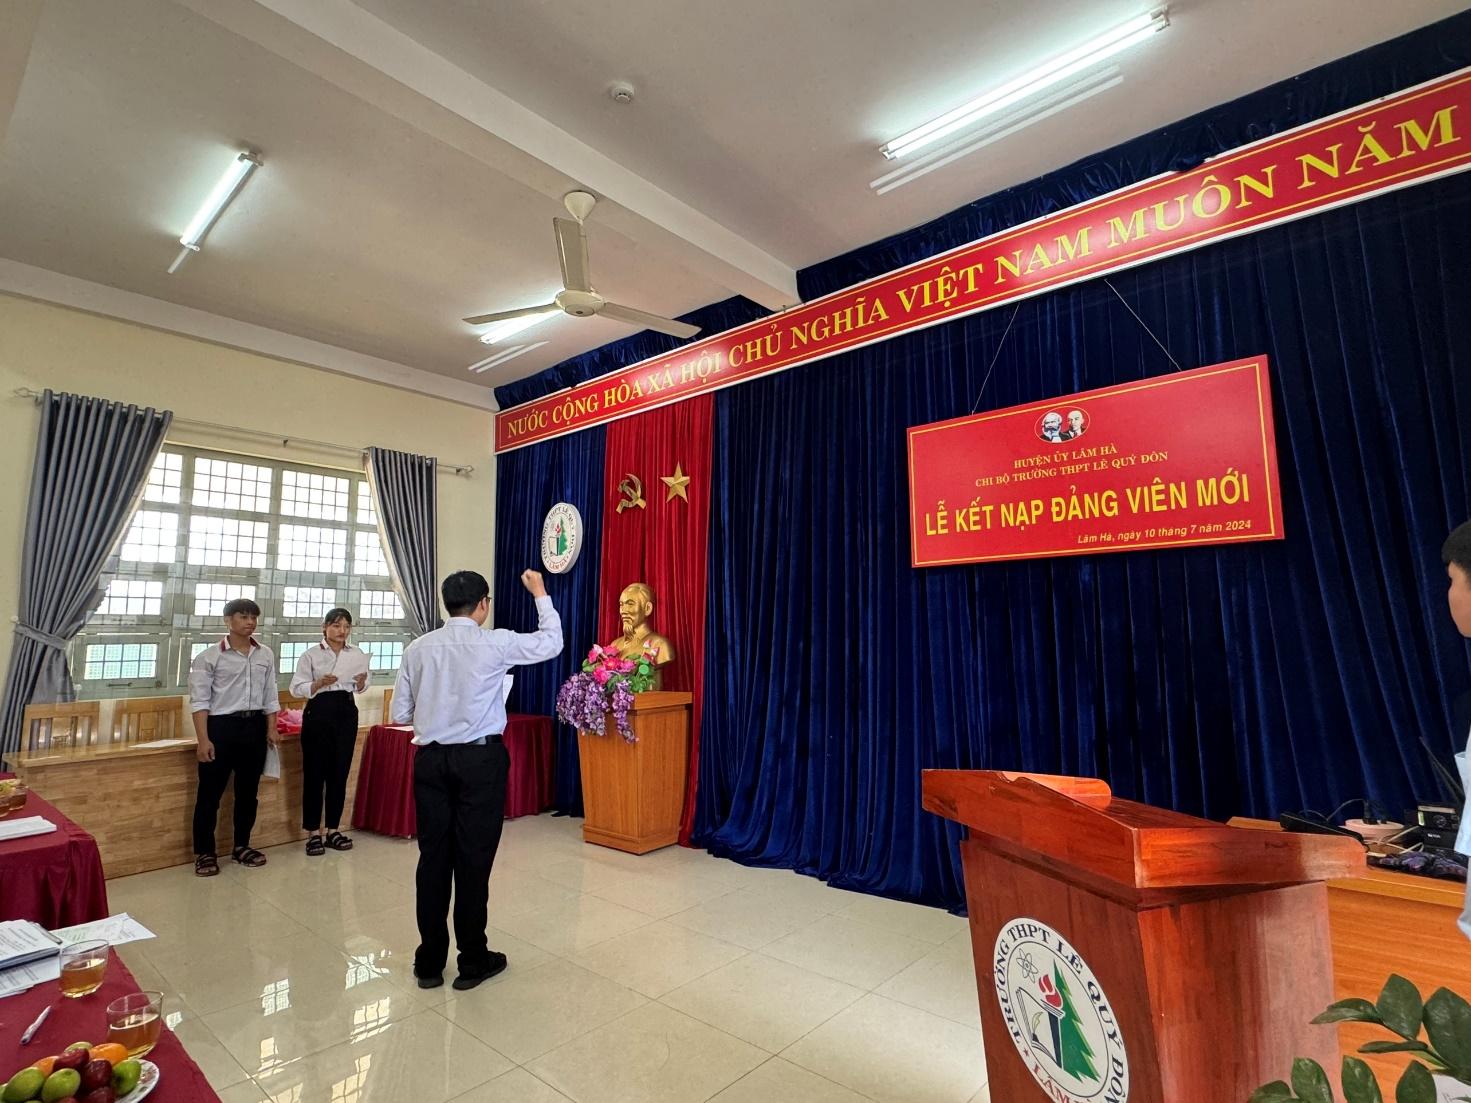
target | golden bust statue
[{"x": 635, "y": 607}]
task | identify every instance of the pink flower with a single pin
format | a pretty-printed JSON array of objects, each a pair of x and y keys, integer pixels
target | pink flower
[
  {"x": 603, "y": 675},
  {"x": 624, "y": 666}
]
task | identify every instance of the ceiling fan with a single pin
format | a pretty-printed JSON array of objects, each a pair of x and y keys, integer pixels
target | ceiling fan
[{"x": 577, "y": 296}]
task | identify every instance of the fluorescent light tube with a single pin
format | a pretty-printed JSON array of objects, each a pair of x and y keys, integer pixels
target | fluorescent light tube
[
  {"x": 1044, "y": 76},
  {"x": 501, "y": 357},
  {"x": 501, "y": 330},
  {"x": 231, "y": 183}
]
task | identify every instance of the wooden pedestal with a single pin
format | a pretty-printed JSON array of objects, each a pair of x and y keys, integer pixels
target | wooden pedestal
[{"x": 633, "y": 793}]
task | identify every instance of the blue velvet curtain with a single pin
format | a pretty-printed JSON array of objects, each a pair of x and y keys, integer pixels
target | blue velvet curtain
[
  {"x": 530, "y": 481},
  {"x": 1245, "y": 680}
]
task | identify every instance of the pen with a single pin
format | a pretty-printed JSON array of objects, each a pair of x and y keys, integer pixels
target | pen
[{"x": 25, "y": 1039}]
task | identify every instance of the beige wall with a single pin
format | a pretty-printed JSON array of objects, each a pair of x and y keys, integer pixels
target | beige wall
[{"x": 49, "y": 346}]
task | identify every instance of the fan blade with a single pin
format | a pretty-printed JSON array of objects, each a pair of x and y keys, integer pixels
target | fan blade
[
  {"x": 572, "y": 252},
  {"x": 648, "y": 321},
  {"x": 507, "y": 315}
]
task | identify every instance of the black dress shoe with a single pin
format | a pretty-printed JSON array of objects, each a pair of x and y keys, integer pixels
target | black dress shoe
[
  {"x": 436, "y": 981},
  {"x": 466, "y": 981}
]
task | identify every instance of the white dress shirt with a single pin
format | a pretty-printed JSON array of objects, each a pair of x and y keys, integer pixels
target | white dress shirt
[
  {"x": 222, "y": 680},
  {"x": 450, "y": 683},
  {"x": 318, "y": 661}
]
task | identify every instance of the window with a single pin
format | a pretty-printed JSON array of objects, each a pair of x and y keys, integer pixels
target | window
[
  {"x": 226, "y": 484},
  {"x": 379, "y": 605},
  {"x": 321, "y": 497},
  {"x": 367, "y": 553},
  {"x": 165, "y": 478},
  {"x": 210, "y": 598},
  {"x": 128, "y": 597},
  {"x": 308, "y": 601},
  {"x": 308, "y": 548},
  {"x": 226, "y": 542},
  {"x": 383, "y": 654},
  {"x": 120, "y": 661},
  {"x": 153, "y": 537},
  {"x": 295, "y": 538},
  {"x": 287, "y": 654},
  {"x": 366, "y": 513}
]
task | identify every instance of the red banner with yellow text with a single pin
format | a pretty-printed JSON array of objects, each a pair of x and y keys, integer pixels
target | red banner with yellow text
[
  {"x": 1404, "y": 139},
  {"x": 1188, "y": 458}
]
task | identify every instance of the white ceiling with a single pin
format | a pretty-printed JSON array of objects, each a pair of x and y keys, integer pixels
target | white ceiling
[{"x": 415, "y": 150}]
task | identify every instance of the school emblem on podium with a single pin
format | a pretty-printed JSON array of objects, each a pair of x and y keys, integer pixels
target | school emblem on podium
[{"x": 1058, "y": 1016}]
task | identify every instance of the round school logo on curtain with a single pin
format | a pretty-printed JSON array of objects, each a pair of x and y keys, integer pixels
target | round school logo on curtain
[
  {"x": 561, "y": 538},
  {"x": 1058, "y": 1016}
]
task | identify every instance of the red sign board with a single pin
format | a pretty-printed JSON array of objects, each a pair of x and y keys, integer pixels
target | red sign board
[
  {"x": 1404, "y": 139},
  {"x": 1188, "y": 458}
]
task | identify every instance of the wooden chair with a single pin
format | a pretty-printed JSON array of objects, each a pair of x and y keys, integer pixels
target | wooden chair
[
  {"x": 61, "y": 728},
  {"x": 290, "y": 702},
  {"x": 388, "y": 705},
  {"x": 146, "y": 719}
]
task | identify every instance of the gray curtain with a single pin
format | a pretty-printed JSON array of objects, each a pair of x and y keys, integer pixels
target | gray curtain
[
  {"x": 92, "y": 461},
  {"x": 406, "y": 490}
]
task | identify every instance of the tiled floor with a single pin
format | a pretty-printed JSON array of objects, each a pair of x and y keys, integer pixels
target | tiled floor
[{"x": 673, "y": 977}]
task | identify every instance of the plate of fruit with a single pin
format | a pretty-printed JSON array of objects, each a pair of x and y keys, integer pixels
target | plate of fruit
[{"x": 83, "y": 1074}]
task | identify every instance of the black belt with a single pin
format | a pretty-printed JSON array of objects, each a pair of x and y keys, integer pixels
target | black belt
[
  {"x": 247, "y": 714},
  {"x": 482, "y": 741}
]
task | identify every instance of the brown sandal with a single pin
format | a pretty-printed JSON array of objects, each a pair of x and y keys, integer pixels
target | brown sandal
[{"x": 206, "y": 865}]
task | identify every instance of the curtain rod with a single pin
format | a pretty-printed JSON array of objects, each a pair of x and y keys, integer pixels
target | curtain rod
[{"x": 453, "y": 468}]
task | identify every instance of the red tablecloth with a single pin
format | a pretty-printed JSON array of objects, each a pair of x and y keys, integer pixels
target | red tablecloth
[
  {"x": 385, "y": 796},
  {"x": 85, "y": 1020},
  {"x": 55, "y": 879}
]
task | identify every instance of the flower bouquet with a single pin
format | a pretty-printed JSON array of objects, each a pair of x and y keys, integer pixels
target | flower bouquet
[{"x": 607, "y": 684}]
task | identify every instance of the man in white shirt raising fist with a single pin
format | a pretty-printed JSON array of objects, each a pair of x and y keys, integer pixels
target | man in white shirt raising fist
[{"x": 450, "y": 688}]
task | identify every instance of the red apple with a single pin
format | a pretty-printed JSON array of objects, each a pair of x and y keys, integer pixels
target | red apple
[
  {"x": 71, "y": 1059},
  {"x": 100, "y": 1095},
  {"x": 96, "y": 1074}
]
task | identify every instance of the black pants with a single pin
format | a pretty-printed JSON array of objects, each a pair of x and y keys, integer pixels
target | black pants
[
  {"x": 329, "y": 731},
  {"x": 240, "y": 748},
  {"x": 460, "y": 792}
]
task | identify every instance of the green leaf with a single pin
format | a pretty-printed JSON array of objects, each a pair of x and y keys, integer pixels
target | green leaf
[
  {"x": 1311, "y": 1082},
  {"x": 1359, "y": 1085},
  {"x": 1400, "y": 1007},
  {"x": 1394, "y": 1047},
  {"x": 1448, "y": 1023},
  {"x": 1275, "y": 1092},
  {"x": 1415, "y": 1086},
  {"x": 1349, "y": 1011}
]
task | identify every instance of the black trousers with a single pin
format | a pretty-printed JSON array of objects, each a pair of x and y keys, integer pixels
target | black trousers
[
  {"x": 329, "y": 731},
  {"x": 240, "y": 748},
  {"x": 460, "y": 793}
]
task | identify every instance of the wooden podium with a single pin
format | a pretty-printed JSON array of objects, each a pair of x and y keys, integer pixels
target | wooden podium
[
  {"x": 633, "y": 793},
  {"x": 1127, "y": 952}
]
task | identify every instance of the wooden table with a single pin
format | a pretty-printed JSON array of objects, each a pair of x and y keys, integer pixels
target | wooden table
[
  {"x": 55, "y": 879},
  {"x": 85, "y": 1020},
  {"x": 1386, "y": 922},
  {"x": 138, "y": 802}
]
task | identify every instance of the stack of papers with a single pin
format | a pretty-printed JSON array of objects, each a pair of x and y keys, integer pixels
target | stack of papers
[
  {"x": 116, "y": 929},
  {"x": 22, "y": 942},
  {"x": 25, "y": 827},
  {"x": 161, "y": 743}
]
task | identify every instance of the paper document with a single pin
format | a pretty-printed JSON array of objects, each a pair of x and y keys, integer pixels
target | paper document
[
  {"x": 22, "y": 977},
  {"x": 161, "y": 743},
  {"x": 22, "y": 941},
  {"x": 349, "y": 665},
  {"x": 116, "y": 929},
  {"x": 25, "y": 827}
]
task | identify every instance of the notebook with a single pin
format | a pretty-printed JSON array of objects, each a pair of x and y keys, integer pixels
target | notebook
[
  {"x": 22, "y": 942},
  {"x": 25, "y": 827}
]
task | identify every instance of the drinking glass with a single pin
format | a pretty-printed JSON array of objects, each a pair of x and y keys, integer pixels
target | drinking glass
[
  {"x": 135, "y": 1022},
  {"x": 83, "y": 965}
]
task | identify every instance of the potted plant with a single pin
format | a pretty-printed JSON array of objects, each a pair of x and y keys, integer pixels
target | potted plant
[
  {"x": 1443, "y": 1053},
  {"x": 607, "y": 684}
]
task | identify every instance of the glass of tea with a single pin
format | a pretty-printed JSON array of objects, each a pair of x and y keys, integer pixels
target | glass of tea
[
  {"x": 135, "y": 1022},
  {"x": 83, "y": 965}
]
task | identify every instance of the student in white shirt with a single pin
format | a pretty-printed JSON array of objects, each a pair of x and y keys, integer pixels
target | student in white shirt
[
  {"x": 330, "y": 674},
  {"x": 1456, "y": 555},
  {"x": 232, "y": 696},
  {"x": 451, "y": 687}
]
